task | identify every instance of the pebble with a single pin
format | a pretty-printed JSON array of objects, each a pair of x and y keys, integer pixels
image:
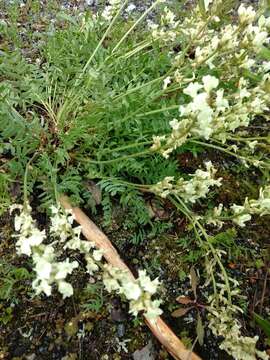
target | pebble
[
  {"x": 146, "y": 353},
  {"x": 31, "y": 357},
  {"x": 117, "y": 314},
  {"x": 121, "y": 330}
]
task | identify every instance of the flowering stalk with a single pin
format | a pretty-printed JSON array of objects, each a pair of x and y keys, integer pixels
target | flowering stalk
[
  {"x": 242, "y": 213},
  {"x": 222, "y": 311},
  {"x": 189, "y": 190},
  {"x": 138, "y": 291},
  {"x": 136, "y": 23},
  {"x": 223, "y": 323},
  {"x": 31, "y": 242},
  {"x": 115, "y": 7}
]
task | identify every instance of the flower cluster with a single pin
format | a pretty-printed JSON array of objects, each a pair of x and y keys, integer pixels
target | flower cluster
[
  {"x": 166, "y": 31},
  {"x": 111, "y": 9},
  {"x": 231, "y": 48},
  {"x": 214, "y": 217},
  {"x": 243, "y": 213},
  {"x": 189, "y": 190},
  {"x": 212, "y": 115},
  {"x": 222, "y": 315},
  {"x": 47, "y": 268},
  {"x": 198, "y": 116},
  {"x": 49, "y": 271},
  {"x": 223, "y": 323},
  {"x": 138, "y": 292},
  {"x": 241, "y": 216},
  {"x": 260, "y": 206},
  {"x": 61, "y": 224},
  {"x": 246, "y": 14},
  {"x": 256, "y": 36},
  {"x": 237, "y": 42},
  {"x": 29, "y": 235},
  {"x": 62, "y": 229}
]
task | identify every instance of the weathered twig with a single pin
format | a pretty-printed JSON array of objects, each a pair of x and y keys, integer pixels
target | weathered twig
[{"x": 158, "y": 327}]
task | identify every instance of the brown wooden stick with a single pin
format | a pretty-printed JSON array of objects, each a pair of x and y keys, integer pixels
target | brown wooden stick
[{"x": 158, "y": 327}]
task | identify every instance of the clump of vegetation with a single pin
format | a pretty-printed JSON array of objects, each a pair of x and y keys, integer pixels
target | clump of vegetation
[{"x": 102, "y": 108}]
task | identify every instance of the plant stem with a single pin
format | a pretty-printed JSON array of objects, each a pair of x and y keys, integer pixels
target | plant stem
[
  {"x": 239, "y": 138},
  {"x": 103, "y": 37},
  {"x": 222, "y": 149},
  {"x": 135, "y": 24},
  {"x": 117, "y": 97},
  {"x": 115, "y": 160},
  {"x": 173, "y": 107},
  {"x": 120, "y": 148},
  {"x": 25, "y": 199},
  {"x": 206, "y": 236}
]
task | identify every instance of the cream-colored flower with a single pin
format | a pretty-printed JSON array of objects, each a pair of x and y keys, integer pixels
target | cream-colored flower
[
  {"x": 42, "y": 286},
  {"x": 210, "y": 83},
  {"x": 138, "y": 291},
  {"x": 65, "y": 289},
  {"x": 43, "y": 269},
  {"x": 146, "y": 283},
  {"x": 157, "y": 142},
  {"x": 131, "y": 290},
  {"x": 110, "y": 284},
  {"x": 91, "y": 265},
  {"x": 169, "y": 17},
  {"x": 221, "y": 103},
  {"x": 192, "y": 89},
  {"x": 25, "y": 243},
  {"x": 61, "y": 223},
  {"x": 64, "y": 268},
  {"x": 241, "y": 215},
  {"x": 246, "y": 14},
  {"x": 189, "y": 190},
  {"x": 153, "y": 309},
  {"x": 166, "y": 82},
  {"x": 175, "y": 124},
  {"x": 97, "y": 254},
  {"x": 207, "y": 3}
]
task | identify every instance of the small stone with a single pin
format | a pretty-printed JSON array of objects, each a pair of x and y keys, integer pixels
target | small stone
[
  {"x": 31, "y": 357},
  {"x": 70, "y": 357},
  {"x": 121, "y": 330},
  {"x": 117, "y": 314},
  {"x": 146, "y": 353},
  {"x": 104, "y": 357},
  {"x": 91, "y": 2}
]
